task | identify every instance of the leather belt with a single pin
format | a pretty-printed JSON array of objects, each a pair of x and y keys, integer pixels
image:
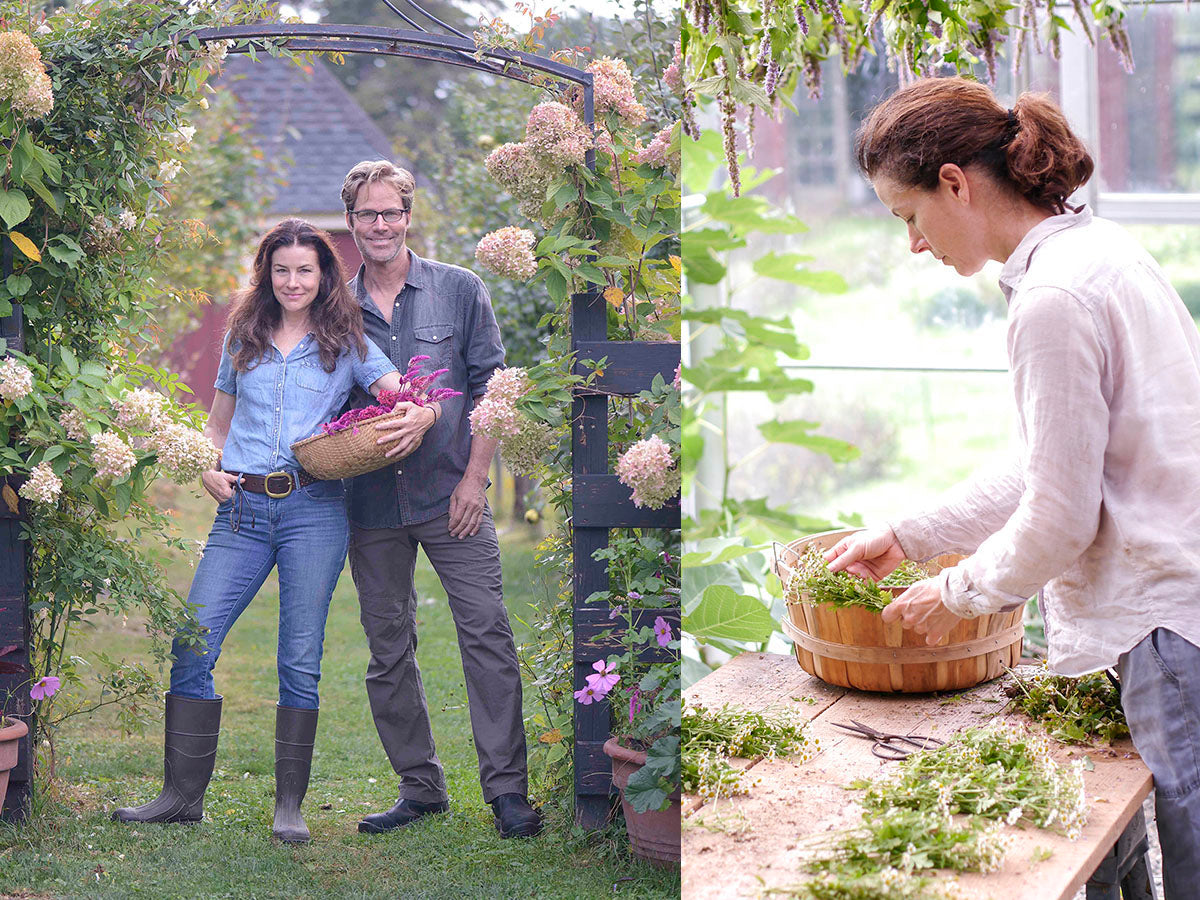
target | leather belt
[{"x": 276, "y": 485}]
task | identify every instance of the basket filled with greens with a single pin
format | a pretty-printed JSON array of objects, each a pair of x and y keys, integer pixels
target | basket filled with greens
[{"x": 838, "y": 635}]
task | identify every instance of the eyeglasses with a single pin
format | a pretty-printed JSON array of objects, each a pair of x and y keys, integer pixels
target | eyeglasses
[{"x": 368, "y": 216}]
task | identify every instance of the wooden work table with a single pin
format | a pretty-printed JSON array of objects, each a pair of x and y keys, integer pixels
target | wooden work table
[{"x": 738, "y": 847}]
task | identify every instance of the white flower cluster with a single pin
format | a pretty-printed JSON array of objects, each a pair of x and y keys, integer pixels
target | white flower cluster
[
  {"x": 127, "y": 219},
  {"x": 23, "y": 79},
  {"x": 168, "y": 169},
  {"x": 508, "y": 251},
  {"x": 111, "y": 456},
  {"x": 183, "y": 452},
  {"x": 523, "y": 451},
  {"x": 648, "y": 469},
  {"x": 43, "y": 485},
  {"x": 74, "y": 422},
  {"x": 16, "y": 380},
  {"x": 140, "y": 409}
]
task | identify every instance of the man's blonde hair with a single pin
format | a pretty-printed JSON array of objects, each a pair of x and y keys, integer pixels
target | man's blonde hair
[{"x": 373, "y": 171}]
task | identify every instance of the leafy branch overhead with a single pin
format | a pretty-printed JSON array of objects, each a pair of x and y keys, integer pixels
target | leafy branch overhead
[{"x": 751, "y": 55}]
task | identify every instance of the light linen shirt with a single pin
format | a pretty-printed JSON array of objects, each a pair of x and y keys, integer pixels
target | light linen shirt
[
  {"x": 1102, "y": 505},
  {"x": 281, "y": 400}
]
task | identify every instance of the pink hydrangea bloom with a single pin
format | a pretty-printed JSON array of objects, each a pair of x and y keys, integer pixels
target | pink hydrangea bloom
[
  {"x": 141, "y": 409},
  {"x": 16, "y": 379},
  {"x": 555, "y": 135},
  {"x": 73, "y": 422},
  {"x": 23, "y": 79},
  {"x": 508, "y": 251},
  {"x": 614, "y": 91},
  {"x": 673, "y": 74},
  {"x": 183, "y": 452},
  {"x": 660, "y": 153},
  {"x": 45, "y": 687},
  {"x": 648, "y": 469},
  {"x": 515, "y": 169}
]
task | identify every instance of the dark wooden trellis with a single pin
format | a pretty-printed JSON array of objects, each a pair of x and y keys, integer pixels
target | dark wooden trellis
[{"x": 600, "y": 502}]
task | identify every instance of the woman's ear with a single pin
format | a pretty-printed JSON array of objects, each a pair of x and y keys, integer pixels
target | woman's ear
[{"x": 953, "y": 179}]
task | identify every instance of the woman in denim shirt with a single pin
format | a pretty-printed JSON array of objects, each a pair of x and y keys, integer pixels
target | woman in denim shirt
[{"x": 294, "y": 351}]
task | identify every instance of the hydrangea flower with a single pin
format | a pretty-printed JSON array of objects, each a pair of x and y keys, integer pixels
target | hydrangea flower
[
  {"x": 673, "y": 74},
  {"x": 73, "y": 422},
  {"x": 183, "y": 452},
  {"x": 523, "y": 452},
  {"x": 614, "y": 91},
  {"x": 660, "y": 153},
  {"x": 23, "y": 79},
  {"x": 16, "y": 379},
  {"x": 43, "y": 485},
  {"x": 111, "y": 456},
  {"x": 555, "y": 135},
  {"x": 508, "y": 251},
  {"x": 140, "y": 409},
  {"x": 648, "y": 470}
]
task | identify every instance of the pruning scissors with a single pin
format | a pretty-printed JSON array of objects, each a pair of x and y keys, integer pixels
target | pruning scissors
[{"x": 890, "y": 746}]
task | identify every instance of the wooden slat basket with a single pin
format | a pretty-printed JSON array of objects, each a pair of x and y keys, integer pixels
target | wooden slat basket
[{"x": 853, "y": 647}]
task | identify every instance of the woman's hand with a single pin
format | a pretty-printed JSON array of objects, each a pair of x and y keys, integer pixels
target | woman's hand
[
  {"x": 920, "y": 609},
  {"x": 218, "y": 484},
  {"x": 867, "y": 554}
]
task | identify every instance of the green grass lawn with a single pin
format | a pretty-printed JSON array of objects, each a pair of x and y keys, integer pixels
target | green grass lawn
[{"x": 71, "y": 849}]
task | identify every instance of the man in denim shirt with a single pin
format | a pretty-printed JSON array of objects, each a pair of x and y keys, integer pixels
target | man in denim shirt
[{"x": 433, "y": 499}]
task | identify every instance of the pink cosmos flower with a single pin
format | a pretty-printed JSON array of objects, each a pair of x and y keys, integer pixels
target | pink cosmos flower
[
  {"x": 588, "y": 695},
  {"x": 662, "y": 631},
  {"x": 45, "y": 687},
  {"x": 605, "y": 679}
]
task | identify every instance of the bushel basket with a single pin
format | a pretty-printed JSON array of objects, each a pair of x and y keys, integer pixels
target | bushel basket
[
  {"x": 851, "y": 646},
  {"x": 352, "y": 451}
]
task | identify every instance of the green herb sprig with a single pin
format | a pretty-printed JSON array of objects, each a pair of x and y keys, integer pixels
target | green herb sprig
[
  {"x": 1072, "y": 710},
  {"x": 887, "y": 884},
  {"x": 905, "y": 575},
  {"x": 812, "y": 582},
  {"x": 710, "y": 736}
]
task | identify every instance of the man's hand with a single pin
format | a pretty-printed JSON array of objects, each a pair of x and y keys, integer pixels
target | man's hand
[
  {"x": 867, "y": 554},
  {"x": 920, "y": 608},
  {"x": 218, "y": 484},
  {"x": 406, "y": 433},
  {"x": 466, "y": 506}
]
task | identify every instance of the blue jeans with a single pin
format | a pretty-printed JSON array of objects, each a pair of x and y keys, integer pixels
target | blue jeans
[
  {"x": 306, "y": 535},
  {"x": 1160, "y": 691}
]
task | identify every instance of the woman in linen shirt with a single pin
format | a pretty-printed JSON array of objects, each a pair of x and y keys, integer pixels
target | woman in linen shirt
[
  {"x": 294, "y": 350},
  {"x": 1101, "y": 506}
]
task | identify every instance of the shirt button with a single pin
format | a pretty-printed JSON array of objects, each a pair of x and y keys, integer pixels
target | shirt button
[{"x": 393, "y": 337}]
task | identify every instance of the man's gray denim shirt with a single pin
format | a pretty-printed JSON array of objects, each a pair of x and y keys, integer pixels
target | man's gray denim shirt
[{"x": 443, "y": 312}]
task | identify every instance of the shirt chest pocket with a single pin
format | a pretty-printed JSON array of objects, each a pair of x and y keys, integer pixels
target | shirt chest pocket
[
  {"x": 309, "y": 375},
  {"x": 436, "y": 342}
]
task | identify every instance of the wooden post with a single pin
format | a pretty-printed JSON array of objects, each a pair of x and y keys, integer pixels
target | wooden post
[
  {"x": 599, "y": 502},
  {"x": 14, "y": 606}
]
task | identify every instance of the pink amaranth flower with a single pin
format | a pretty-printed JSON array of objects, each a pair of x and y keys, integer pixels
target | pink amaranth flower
[
  {"x": 414, "y": 388},
  {"x": 45, "y": 687},
  {"x": 662, "y": 631},
  {"x": 555, "y": 135},
  {"x": 508, "y": 251},
  {"x": 605, "y": 678},
  {"x": 648, "y": 469},
  {"x": 635, "y": 704}
]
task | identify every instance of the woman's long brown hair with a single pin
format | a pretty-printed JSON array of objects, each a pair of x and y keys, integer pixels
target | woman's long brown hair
[{"x": 335, "y": 316}]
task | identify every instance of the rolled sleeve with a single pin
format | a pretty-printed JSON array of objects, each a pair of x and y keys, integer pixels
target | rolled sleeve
[
  {"x": 1058, "y": 363},
  {"x": 484, "y": 350},
  {"x": 226, "y": 376},
  {"x": 370, "y": 370}
]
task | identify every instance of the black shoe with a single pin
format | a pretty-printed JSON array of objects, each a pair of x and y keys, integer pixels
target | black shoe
[
  {"x": 405, "y": 812},
  {"x": 515, "y": 817}
]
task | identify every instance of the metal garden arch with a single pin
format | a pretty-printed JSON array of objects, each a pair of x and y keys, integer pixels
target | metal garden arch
[{"x": 599, "y": 501}]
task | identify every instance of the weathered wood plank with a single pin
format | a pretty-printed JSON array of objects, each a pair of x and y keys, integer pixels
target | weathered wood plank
[
  {"x": 601, "y": 501},
  {"x": 740, "y": 846},
  {"x": 631, "y": 365}
]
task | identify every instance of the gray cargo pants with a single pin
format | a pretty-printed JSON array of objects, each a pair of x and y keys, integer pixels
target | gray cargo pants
[{"x": 382, "y": 561}]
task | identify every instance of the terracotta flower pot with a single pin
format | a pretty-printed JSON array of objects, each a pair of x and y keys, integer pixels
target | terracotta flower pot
[
  {"x": 11, "y": 732},
  {"x": 654, "y": 836}
]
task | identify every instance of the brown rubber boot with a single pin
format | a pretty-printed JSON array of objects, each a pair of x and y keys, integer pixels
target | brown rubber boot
[
  {"x": 189, "y": 753},
  {"x": 295, "y": 733}
]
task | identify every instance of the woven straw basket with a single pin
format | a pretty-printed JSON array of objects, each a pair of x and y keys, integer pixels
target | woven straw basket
[
  {"x": 853, "y": 647},
  {"x": 347, "y": 453}
]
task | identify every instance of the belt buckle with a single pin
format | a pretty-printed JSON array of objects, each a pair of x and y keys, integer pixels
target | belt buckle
[{"x": 272, "y": 494}]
